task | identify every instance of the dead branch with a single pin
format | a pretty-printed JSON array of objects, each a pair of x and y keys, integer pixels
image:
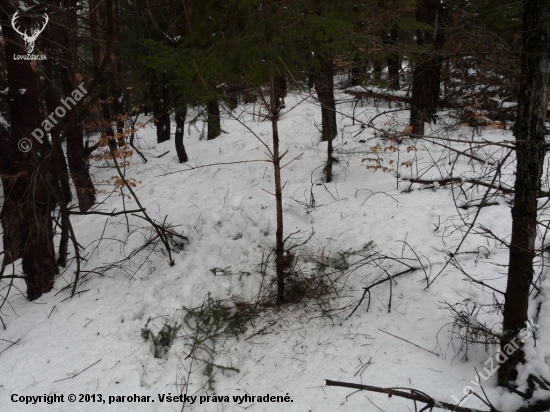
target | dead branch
[
  {"x": 413, "y": 395},
  {"x": 74, "y": 375},
  {"x": 159, "y": 228},
  {"x": 408, "y": 341},
  {"x": 471, "y": 226},
  {"x": 418, "y": 396},
  {"x": 112, "y": 214},
  {"x": 12, "y": 344},
  {"x": 368, "y": 288}
]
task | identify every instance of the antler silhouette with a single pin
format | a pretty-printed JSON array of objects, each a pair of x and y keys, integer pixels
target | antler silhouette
[{"x": 29, "y": 39}]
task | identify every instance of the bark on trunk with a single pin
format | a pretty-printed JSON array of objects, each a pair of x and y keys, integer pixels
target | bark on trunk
[
  {"x": 529, "y": 131},
  {"x": 11, "y": 219},
  {"x": 324, "y": 86},
  {"x": 166, "y": 108},
  {"x": 181, "y": 12},
  {"x": 214, "y": 123},
  {"x": 74, "y": 132},
  {"x": 281, "y": 90},
  {"x": 279, "y": 241},
  {"x": 117, "y": 81},
  {"x": 59, "y": 163},
  {"x": 163, "y": 134},
  {"x": 26, "y": 213},
  {"x": 377, "y": 70},
  {"x": 52, "y": 100},
  {"x": 97, "y": 14},
  {"x": 105, "y": 104},
  {"x": 393, "y": 60},
  {"x": 358, "y": 71},
  {"x": 427, "y": 70},
  {"x": 181, "y": 114}
]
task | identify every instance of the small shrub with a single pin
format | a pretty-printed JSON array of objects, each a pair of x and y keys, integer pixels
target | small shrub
[
  {"x": 210, "y": 324},
  {"x": 162, "y": 341}
]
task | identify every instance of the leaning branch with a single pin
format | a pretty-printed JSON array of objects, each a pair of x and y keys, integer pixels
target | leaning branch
[
  {"x": 368, "y": 288},
  {"x": 111, "y": 214},
  {"x": 413, "y": 395},
  {"x": 419, "y": 396}
]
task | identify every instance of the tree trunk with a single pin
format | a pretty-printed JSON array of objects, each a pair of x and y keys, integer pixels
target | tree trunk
[
  {"x": 117, "y": 80},
  {"x": 51, "y": 98},
  {"x": 59, "y": 163},
  {"x": 166, "y": 108},
  {"x": 74, "y": 132},
  {"x": 324, "y": 86},
  {"x": 181, "y": 113},
  {"x": 427, "y": 70},
  {"x": 97, "y": 14},
  {"x": 105, "y": 104},
  {"x": 179, "y": 9},
  {"x": 529, "y": 131},
  {"x": 163, "y": 134},
  {"x": 214, "y": 123},
  {"x": 393, "y": 60},
  {"x": 279, "y": 241},
  {"x": 377, "y": 70},
  {"x": 26, "y": 213},
  {"x": 358, "y": 71},
  {"x": 11, "y": 219},
  {"x": 281, "y": 90}
]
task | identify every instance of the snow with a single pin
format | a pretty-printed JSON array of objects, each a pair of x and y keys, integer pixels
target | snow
[
  {"x": 92, "y": 344},
  {"x": 23, "y": 7},
  {"x": 3, "y": 122}
]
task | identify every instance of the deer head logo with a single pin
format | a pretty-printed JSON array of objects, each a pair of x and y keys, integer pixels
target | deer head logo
[{"x": 28, "y": 39}]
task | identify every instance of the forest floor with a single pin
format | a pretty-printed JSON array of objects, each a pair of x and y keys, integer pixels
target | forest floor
[{"x": 364, "y": 226}]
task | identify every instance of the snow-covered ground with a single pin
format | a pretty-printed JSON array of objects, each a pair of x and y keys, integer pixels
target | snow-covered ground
[{"x": 92, "y": 344}]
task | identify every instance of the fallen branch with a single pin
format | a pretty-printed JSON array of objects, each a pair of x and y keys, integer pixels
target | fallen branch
[
  {"x": 405, "y": 340},
  {"x": 413, "y": 395},
  {"x": 262, "y": 330},
  {"x": 12, "y": 344},
  {"x": 419, "y": 396},
  {"x": 486, "y": 204},
  {"x": 74, "y": 375},
  {"x": 162, "y": 155},
  {"x": 368, "y": 288}
]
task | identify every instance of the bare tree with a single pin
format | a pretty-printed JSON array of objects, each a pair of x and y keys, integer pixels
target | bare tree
[
  {"x": 74, "y": 133},
  {"x": 213, "y": 116},
  {"x": 427, "y": 70},
  {"x": 529, "y": 131}
]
